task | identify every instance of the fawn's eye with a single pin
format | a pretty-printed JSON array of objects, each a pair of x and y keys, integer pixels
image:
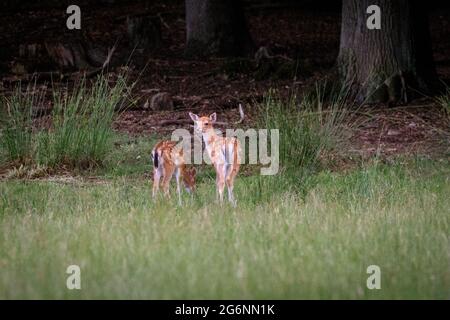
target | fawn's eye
[{"x": 206, "y": 123}]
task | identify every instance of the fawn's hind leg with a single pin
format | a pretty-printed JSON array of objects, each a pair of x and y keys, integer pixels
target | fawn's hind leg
[
  {"x": 168, "y": 173},
  {"x": 220, "y": 181},
  {"x": 234, "y": 169},
  {"x": 156, "y": 178}
]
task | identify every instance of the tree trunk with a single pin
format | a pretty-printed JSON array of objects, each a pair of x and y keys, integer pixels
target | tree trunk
[
  {"x": 391, "y": 64},
  {"x": 216, "y": 27},
  {"x": 144, "y": 32}
]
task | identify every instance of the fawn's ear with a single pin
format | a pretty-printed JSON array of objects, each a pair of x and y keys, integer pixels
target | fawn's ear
[
  {"x": 193, "y": 116},
  {"x": 213, "y": 117}
]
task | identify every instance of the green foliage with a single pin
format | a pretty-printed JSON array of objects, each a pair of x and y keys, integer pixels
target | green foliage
[
  {"x": 81, "y": 132},
  {"x": 301, "y": 234},
  {"x": 313, "y": 247},
  {"x": 309, "y": 126},
  {"x": 16, "y": 135},
  {"x": 129, "y": 157}
]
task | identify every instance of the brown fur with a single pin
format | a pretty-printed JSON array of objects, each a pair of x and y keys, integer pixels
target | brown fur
[
  {"x": 214, "y": 146},
  {"x": 167, "y": 159}
]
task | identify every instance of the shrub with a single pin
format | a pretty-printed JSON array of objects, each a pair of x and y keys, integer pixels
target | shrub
[
  {"x": 308, "y": 126},
  {"x": 17, "y": 114},
  {"x": 81, "y": 132}
]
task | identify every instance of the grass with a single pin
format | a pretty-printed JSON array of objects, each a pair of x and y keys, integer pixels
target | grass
[
  {"x": 319, "y": 246},
  {"x": 130, "y": 157},
  {"x": 444, "y": 101},
  {"x": 310, "y": 125},
  {"x": 16, "y": 135},
  {"x": 305, "y": 233},
  {"x": 80, "y": 134}
]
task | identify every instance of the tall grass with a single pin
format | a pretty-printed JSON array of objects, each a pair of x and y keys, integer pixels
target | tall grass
[
  {"x": 311, "y": 128},
  {"x": 319, "y": 247},
  {"x": 16, "y": 135},
  {"x": 80, "y": 134},
  {"x": 309, "y": 125},
  {"x": 444, "y": 101}
]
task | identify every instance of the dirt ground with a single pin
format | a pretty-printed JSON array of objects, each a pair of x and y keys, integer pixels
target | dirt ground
[{"x": 202, "y": 85}]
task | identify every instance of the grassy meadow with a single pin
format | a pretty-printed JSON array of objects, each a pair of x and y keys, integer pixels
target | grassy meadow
[
  {"x": 285, "y": 246},
  {"x": 308, "y": 232}
]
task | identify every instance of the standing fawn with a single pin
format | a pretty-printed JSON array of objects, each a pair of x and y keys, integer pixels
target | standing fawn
[
  {"x": 223, "y": 152},
  {"x": 168, "y": 159}
]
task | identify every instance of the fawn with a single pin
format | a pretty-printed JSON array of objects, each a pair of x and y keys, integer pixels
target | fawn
[
  {"x": 223, "y": 152},
  {"x": 168, "y": 158}
]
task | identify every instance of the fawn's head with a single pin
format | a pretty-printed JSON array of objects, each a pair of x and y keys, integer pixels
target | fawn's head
[
  {"x": 203, "y": 124},
  {"x": 189, "y": 178}
]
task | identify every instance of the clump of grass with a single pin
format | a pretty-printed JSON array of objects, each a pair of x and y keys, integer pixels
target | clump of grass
[
  {"x": 81, "y": 132},
  {"x": 308, "y": 126},
  {"x": 444, "y": 101},
  {"x": 16, "y": 142}
]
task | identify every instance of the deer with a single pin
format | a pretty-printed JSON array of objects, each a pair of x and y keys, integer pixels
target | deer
[
  {"x": 224, "y": 152},
  {"x": 167, "y": 158}
]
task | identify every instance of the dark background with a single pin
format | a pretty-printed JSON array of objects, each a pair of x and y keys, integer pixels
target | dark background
[{"x": 308, "y": 32}]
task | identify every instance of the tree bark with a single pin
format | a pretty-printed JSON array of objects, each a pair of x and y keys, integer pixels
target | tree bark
[
  {"x": 144, "y": 32},
  {"x": 392, "y": 64},
  {"x": 216, "y": 27}
]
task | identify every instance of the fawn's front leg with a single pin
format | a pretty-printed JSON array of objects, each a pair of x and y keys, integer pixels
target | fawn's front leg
[
  {"x": 230, "y": 186},
  {"x": 220, "y": 182},
  {"x": 178, "y": 178},
  {"x": 232, "y": 172}
]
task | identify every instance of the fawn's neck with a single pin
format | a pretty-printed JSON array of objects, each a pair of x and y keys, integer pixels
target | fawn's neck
[{"x": 209, "y": 137}]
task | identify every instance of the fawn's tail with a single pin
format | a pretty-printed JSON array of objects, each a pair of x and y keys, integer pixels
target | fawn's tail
[{"x": 155, "y": 158}]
